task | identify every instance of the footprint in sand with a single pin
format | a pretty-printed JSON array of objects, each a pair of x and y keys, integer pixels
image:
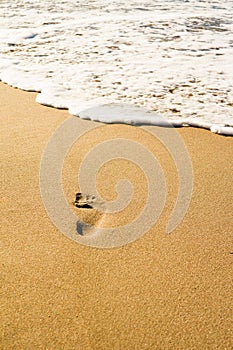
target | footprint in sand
[
  {"x": 84, "y": 201},
  {"x": 92, "y": 212}
]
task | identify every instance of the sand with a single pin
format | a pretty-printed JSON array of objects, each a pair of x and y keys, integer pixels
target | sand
[{"x": 160, "y": 292}]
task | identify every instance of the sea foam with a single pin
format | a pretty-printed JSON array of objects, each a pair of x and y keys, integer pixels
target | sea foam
[{"x": 171, "y": 58}]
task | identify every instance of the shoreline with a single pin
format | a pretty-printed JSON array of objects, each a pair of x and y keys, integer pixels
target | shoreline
[
  {"x": 123, "y": 113},
  {"x": 158, "y": 292}
]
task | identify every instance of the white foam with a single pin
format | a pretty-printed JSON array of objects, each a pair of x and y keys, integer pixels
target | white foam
[
  {"x": 122, "y": 113},
  {"x": 128, "y": 114},
  {"x": 224, "y": 130},
  {"x": 170, "y": 57}
]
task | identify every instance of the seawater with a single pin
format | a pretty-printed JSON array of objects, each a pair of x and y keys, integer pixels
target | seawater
[{"x": 173, "y": 58}]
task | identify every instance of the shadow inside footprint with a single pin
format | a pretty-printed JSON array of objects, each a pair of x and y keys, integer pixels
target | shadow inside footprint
[{"x": 79, "y": 228}]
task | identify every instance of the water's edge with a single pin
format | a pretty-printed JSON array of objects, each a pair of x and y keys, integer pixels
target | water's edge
[{"x": 115, "y": 62}]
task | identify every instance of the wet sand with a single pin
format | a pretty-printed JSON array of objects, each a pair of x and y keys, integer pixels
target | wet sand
[{"x": 159, "y": 292}]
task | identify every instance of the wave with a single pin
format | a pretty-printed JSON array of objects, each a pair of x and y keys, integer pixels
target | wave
[{"x": 164, "y": 57}]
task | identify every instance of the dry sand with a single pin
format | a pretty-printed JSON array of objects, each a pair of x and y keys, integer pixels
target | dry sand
[{"x": 159, "y": 292}]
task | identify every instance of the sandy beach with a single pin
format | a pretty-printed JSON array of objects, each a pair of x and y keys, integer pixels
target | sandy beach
[{"x": 159, "y": 292}]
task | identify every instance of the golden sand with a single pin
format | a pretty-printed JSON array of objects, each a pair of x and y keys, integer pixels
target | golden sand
[{"x": 159, "y": 292}]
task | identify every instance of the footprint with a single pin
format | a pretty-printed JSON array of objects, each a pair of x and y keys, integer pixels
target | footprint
[
  {"x": 84, "y": 201},
  {"x": 87, "y": 201},
  {"x": 89, "y": 219}
]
